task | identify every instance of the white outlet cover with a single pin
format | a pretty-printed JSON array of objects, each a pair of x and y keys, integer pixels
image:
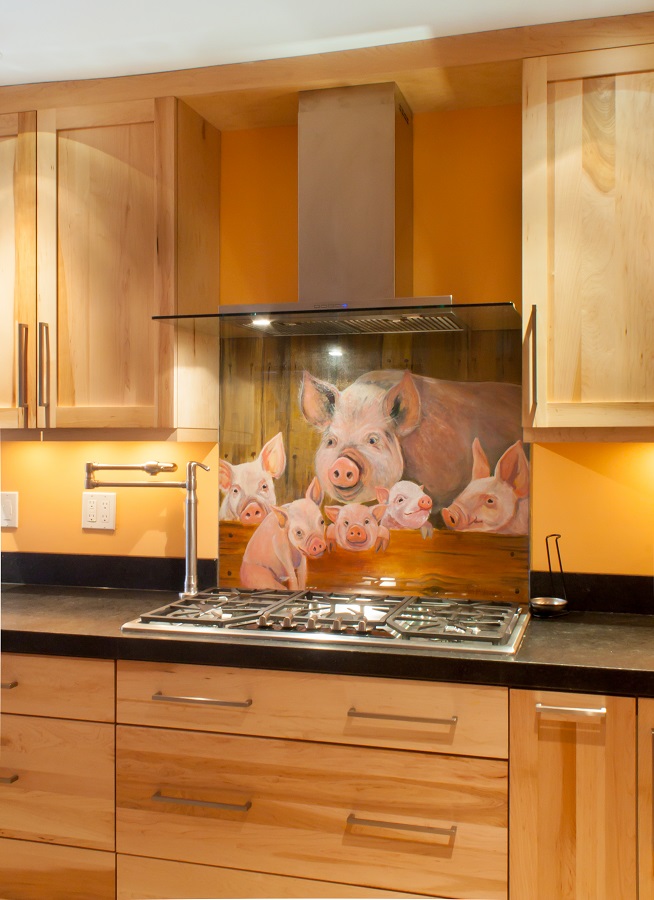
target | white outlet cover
[
  {"x": 9, "y": 509},
  {"x": 98, "y": 511}
]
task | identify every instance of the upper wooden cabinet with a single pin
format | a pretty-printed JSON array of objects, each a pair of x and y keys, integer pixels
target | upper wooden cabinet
[
  {"x": 121, "y": 201},
  {"x": 17, "y": 270},
  {"x": 588, "y": 268}
]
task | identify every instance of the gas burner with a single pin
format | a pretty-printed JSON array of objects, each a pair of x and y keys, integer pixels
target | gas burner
[{"x": 412, "y": 623}]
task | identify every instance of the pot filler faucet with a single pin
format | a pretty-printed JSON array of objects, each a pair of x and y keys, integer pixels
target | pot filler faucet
[{"x": 190, "y": 505}]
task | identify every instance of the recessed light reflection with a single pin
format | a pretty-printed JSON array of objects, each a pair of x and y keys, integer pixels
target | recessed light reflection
[
  {"x": 335, "y": 351},
  {"x": 261, "y": 322}
]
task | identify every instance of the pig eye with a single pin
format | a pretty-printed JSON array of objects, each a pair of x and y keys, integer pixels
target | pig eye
[
  {"x": 264, "y": 487},
  {"x": 322, "y": 521},
  {"x": 490, "y": 501},
  {"x": 366, "y": 521},
  {"x": 330, "y": 442},
  {"x": 235, "y": 490},
  {"x": 400, "y": 499},
  {"x": 298, "y": 533},
  {"x": 373, "y": 439},
  {"x": 345, "y": 522}
]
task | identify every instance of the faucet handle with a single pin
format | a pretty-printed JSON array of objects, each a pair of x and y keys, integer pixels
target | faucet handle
[{"x": 195, "y": 464}]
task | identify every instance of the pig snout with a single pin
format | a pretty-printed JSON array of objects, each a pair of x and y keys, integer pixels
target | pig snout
[
  {"x": 316, "y": 546},
  {"x": 357, "y": 534},
  {"x": 425, "y": 502},
  {"x": 252, "y": 513},
  {"x": 344, "y": 473},
  {"x": 454, "y": 516}
]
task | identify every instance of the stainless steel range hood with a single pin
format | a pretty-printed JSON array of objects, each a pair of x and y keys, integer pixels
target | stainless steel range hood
[{"x": 355, "y": 226}]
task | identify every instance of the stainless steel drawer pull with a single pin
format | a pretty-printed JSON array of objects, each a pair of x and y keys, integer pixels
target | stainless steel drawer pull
[
  {"x": 21, "y": 401},
  {"x": 450, "y": 832},
  {"x": 8, "y": 779},
  {"x": 8, "y": 685},
  {"x": 183, "y": 801},
  {"x": 43, "y": 353},
  {"x": 203, "y": 701},
  {"x": 355, "y": 714},
  {"x": 589, "y": 712}
]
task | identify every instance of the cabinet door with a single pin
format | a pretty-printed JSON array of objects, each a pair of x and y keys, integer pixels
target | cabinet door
[
  {"x": 17, "y": 270},
  {"x": 572, "y": 820},
  {"x": 646, "y": 798},
  {"x": 105, "y": 226},
  {"x": 588, "y": 269},
  {"x": 31, "y": 871}
]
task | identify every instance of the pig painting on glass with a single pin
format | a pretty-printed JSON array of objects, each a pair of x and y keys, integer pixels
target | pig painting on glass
[
  {"x": 276, "y": 554},
  {"x": 495, "y": 503},
  {"x": 357, "y": 527},
  {"x": 389, "y": 426},
  {"x": 248, "y": 487}
]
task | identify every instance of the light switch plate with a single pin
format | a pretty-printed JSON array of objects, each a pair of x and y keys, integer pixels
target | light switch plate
[{"x": 9, "y": 509}]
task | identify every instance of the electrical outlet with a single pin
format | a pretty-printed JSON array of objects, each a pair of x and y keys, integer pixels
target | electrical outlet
[
  {"x": 99, "y": 510},
  {"x": 9, "y": 509}
]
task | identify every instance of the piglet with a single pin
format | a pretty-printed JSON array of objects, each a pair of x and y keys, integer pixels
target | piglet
[
  {"x": 498, "y": 502},
  {"x": 249, "y": 489},
  {"x": 407, "y": 506},
  {"x": 356, "y": 527},
  {"x": 276, "y": 554}
]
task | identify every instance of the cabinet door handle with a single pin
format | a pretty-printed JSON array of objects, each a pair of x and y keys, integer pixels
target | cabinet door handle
[
  {"x": 534, "y": 356},
  {"x": 8, "y": 779},
  {"x": 8, "y": 685},
  {"x": 21, "y": 400},
  {"x": 43, "y": 398},
  {"x": 211, "y": 804},
  {"x": 203, "y": 701},
  {"x": 450, "y": 832},
  {"x": 354, "y": 713},
  {"x": 574, "y": 712}
]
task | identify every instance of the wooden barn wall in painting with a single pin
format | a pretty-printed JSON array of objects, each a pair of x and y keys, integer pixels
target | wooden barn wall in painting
[{"x": 378, "y": 462}]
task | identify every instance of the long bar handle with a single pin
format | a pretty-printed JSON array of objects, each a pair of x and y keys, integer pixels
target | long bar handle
[
  {"x": 202, "y": 701},
  {"x": 43, "y": 390},
  {"x": 450, "y": 832},
  {"x": 354, "y": 713},
  {"x": 21, "y": 399},
  {"x": 211, "y": 804},
  {"x": 584, "y": 712},
  {"x": 8, "y": 685},
  {"x": 8, "y": 779},
  {"x": 534, "y": 356}
]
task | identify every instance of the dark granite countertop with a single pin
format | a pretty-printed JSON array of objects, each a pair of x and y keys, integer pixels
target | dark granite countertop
[{"x": 606, "y": 653}]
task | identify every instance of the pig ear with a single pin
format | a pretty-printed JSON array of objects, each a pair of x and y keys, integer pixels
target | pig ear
[
  {"x": 273, "y": 456},
  {"x": 383, "y": 494},
  {"x": 282, "y": 515},
  {"x": 314, "y": 492},
  {"x": 332, "y": 512},
  {"x": 378, "y": 512},
  {"x": 317, "y": 400},
  {"x": 514, "y": 469},
  {"x": 480, "y": 465},
  {"x": 402, "y": 405},
  {"x": 224, "y": 475}
]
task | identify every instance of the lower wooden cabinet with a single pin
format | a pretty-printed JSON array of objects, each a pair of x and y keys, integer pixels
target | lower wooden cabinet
[
  {"x": 646, "y": 799},
  {"x": 30, "y": 870},
  {"x": 161, "y": 879},
  {"x": 573, "y": 797},
  {"x": 394, "y": 820}
]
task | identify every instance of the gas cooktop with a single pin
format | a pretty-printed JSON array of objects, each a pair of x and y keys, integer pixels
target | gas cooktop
[{"x": 409, "y": 623}]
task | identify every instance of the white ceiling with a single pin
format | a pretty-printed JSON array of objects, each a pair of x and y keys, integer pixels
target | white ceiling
[{"x": 53, "y": 40}]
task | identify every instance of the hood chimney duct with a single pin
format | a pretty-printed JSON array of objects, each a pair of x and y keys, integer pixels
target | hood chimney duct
[{"x": 355, "y": 187}]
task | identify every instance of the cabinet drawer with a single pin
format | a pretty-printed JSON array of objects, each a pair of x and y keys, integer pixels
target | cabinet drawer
[
  {"x": 389, "y": 819},
  {"x": 30, "y": 871},
  {"x": 161, "y": 879},
  {"x": 381, "y": 712},
  {"x": 58, "y": 686},
  {"x": 57, "y": 781}
]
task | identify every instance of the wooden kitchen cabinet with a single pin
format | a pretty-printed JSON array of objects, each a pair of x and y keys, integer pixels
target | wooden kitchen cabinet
[
  {"x": 18, "y": 270},
  {"x": 57, "y": 778},
  {"x": 573, "y": 796},
  {"x": 646, "y": 799},
  {"x": 588, "y": 270},
  {"x": 264, "y": 774},
  {"x": 126, "y": 213}
]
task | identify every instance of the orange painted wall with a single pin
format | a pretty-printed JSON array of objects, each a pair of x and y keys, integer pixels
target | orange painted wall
[{"x": 600, "y": 497}]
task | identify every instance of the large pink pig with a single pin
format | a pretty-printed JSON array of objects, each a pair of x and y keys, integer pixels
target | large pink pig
[
  {"x": 389, "y": 426},
  {"x": 356, "y": 527},
  {"x": 407, "y": 506},
  {"x": 249, "y": 489},
  {"x": 276, "y": 554},
  {"x": 498, "y": 502}
]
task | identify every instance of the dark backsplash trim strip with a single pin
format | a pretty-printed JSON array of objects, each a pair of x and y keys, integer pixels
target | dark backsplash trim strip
[
  {"x": 144, "y": 573},
  {"x": 597, "y": 593}
]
